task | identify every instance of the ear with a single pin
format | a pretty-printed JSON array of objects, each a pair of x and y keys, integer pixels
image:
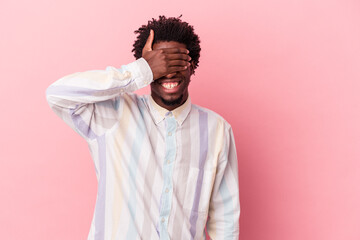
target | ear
[{"x": 192, "y": 67}]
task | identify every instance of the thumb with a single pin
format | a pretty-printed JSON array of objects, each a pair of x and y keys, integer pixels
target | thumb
[{"x": 149, "y": 41}]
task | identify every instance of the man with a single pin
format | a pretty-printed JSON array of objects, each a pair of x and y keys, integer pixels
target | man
[{"x": 166, "y": 168}]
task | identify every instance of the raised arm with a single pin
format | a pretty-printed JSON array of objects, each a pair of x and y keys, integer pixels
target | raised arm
[{"x": 74, "y": 97}]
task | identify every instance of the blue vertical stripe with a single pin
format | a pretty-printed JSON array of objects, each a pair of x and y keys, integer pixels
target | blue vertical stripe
[
  {"x": 229, "y": 225},
  {"x": 133, "y": 166},
  {"x": 168, "y": 165},
  {"x": 203, "y": 127}
]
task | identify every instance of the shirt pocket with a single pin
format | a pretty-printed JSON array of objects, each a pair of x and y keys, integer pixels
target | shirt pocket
[{"x": 198, "y": 188}]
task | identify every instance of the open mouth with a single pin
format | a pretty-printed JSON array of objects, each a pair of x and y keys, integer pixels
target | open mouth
[{"x": 169, "y": 85}]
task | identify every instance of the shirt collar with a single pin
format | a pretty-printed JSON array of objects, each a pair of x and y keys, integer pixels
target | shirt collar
[{"x": 180, "y": 113}]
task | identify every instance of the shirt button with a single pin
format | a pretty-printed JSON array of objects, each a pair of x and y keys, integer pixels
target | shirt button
[
  {"x": 163, "y": 220},
  {"x": 169, "y": 133},
  {"x": 167, "y": 190},
  {"x": 168, "y": 161}
]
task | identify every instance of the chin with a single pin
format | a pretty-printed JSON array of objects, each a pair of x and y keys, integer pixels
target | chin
[{"x": 172, "y": 101}]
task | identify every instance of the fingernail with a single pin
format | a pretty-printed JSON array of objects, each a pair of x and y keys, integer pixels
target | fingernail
[{"x": 187, "y": 51}]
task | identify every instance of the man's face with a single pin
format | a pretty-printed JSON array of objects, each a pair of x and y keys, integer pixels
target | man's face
[{"x": 171, "y": 91}]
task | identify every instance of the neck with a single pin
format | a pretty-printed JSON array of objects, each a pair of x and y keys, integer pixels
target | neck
[{"x": 169, "y": 105}]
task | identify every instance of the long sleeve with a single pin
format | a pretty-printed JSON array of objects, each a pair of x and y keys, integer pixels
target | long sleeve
[
  {"x": 78, "y": 97},
  {"x": 224, "y": 210}
]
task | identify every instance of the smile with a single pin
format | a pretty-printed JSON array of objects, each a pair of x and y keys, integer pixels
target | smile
[{"x": 170, "y": 85}]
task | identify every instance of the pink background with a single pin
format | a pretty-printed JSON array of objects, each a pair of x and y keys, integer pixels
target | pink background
[{"x": 285, "y": 74}]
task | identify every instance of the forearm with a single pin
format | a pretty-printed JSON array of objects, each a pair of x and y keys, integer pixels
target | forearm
[
  {"x": 98, "y": 85},
  {"x": 224, "y": 213}
]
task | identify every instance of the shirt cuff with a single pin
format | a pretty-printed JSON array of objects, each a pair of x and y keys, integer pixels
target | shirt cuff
[{"x": 140, "y": 72}]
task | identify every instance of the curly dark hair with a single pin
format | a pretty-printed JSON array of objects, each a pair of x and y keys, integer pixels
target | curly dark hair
[{"x": 169, "y": 29}]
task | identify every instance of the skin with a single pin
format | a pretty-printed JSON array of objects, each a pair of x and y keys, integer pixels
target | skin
[{"x": 169, "y": 62}]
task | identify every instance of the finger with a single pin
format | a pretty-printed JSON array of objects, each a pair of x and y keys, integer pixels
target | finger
[
  {"x": 176, "y": 69},
  {"x": 175, "y": 50},
  {"x": 178, "y": 56},
  {"x": 178, "y": 63},
  {"x": 149, "y": 41}
]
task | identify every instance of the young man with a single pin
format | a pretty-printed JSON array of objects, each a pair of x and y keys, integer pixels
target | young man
[{"x": 166, "y": 168}]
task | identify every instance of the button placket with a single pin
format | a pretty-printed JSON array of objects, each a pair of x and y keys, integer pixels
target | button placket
[{"x": 168, "y": 165}]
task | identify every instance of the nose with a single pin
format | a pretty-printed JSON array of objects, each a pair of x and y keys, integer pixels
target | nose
[{"x": 170, "y": 75}]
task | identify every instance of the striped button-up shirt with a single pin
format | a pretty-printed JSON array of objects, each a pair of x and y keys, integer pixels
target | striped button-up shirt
[{"x": 161, "y": 174}]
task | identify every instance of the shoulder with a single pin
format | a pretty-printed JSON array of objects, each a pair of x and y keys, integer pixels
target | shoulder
[{"x": 211, "y": 115}]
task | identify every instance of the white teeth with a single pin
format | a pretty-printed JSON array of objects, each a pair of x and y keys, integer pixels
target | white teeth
[{"x": 170, "y": 85}]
